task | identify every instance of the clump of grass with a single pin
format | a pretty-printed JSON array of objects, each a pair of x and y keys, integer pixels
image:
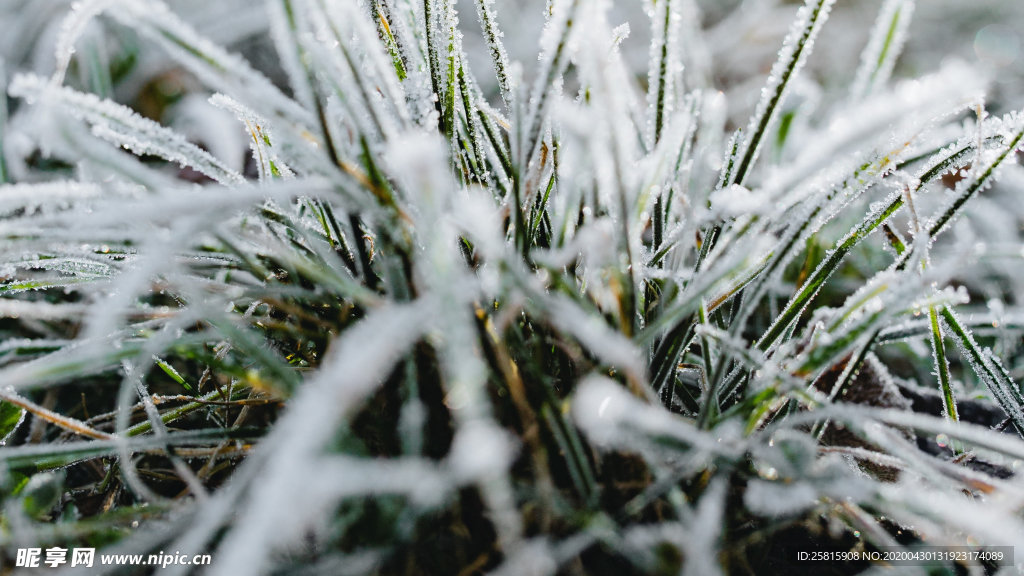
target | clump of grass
[{"x": 435, "y": 328}]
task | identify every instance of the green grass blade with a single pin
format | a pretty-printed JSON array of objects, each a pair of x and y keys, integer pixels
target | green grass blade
[
  {"x": 1005, "y": 392},
  {"x": 942, "y": 367},
  {"x": 797, "y": 47}
]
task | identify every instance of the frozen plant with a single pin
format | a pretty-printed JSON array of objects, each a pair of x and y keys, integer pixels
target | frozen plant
[{"x": 329, "y": 301}]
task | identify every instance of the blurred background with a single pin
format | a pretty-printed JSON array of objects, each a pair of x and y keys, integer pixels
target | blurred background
[{"x": 743, "y": 38}]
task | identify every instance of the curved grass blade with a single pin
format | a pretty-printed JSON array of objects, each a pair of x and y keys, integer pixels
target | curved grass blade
[
  {"x": 123, "y": 127},
  {"x": 982, "y": 179},
  {"x": 1003, "y": 389}
]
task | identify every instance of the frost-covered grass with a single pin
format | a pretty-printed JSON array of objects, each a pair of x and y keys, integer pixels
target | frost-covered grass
[{"x": 333, "y": 302}]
